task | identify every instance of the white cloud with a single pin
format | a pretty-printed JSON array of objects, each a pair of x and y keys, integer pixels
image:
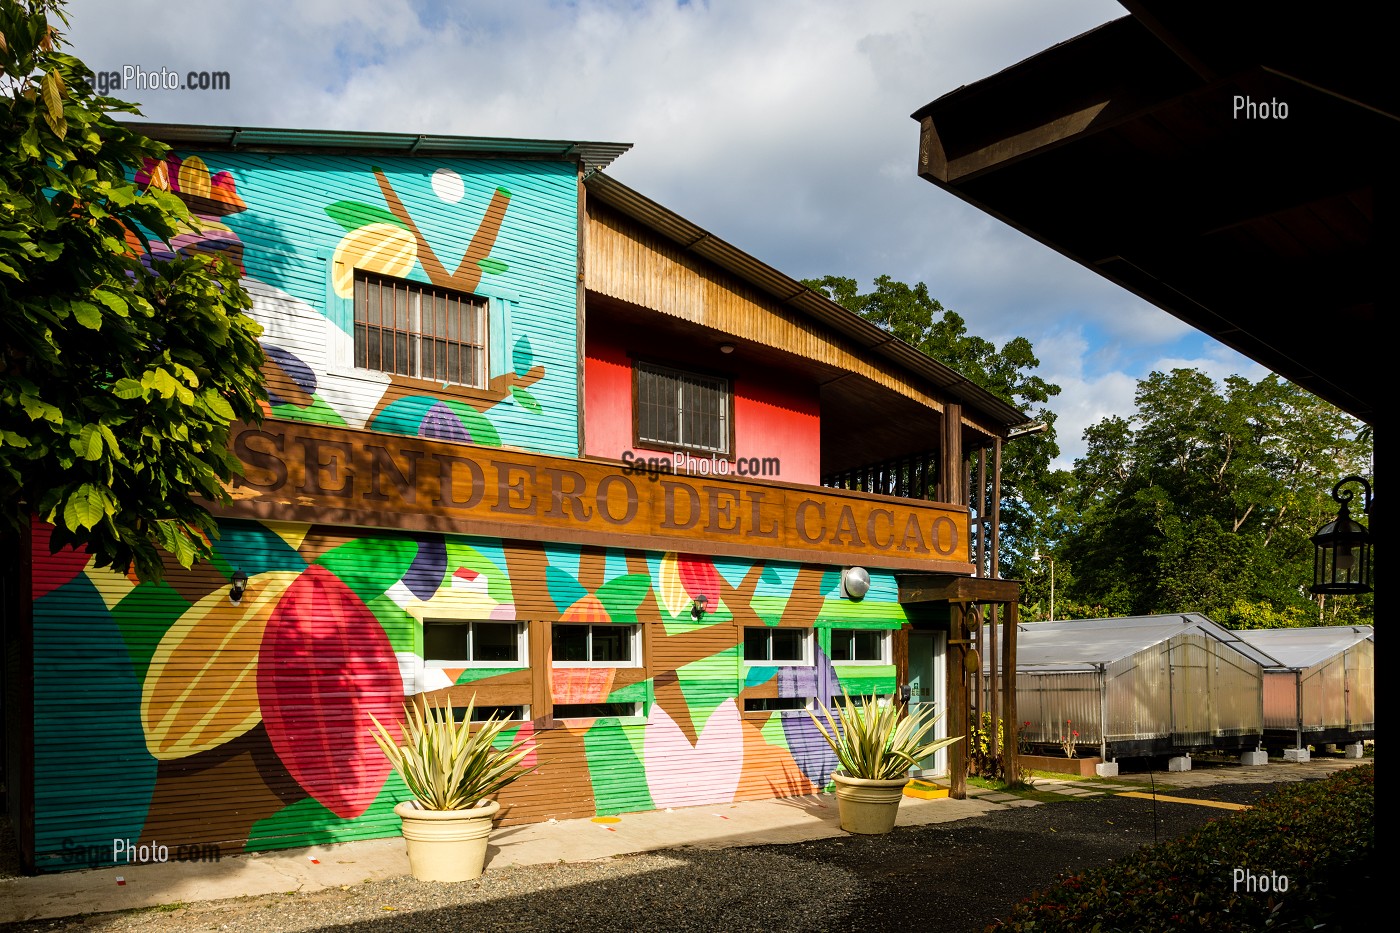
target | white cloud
[{"x": 781, "y": 126}]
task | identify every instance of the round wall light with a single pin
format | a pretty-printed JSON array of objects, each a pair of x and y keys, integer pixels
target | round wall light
[{"x": 855, "y": 582}]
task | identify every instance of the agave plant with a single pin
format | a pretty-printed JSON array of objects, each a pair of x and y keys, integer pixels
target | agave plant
[
  {"x": 877, "y": 742},
  {"x": 447, "y": 764}
]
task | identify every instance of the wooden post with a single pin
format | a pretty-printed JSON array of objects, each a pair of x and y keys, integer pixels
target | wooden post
[
  {"x": 957, "y": 701},
  {"x": 951, "y": 469},
  {"x": 1008, "y": 666},
  {"x": 993, "y": 688}
]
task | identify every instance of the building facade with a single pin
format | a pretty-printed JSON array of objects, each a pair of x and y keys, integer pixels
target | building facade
[{"x": 533, "y": 442}]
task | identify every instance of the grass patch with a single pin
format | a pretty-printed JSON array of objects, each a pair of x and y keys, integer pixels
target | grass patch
[{"x": 1320, "y": 835}]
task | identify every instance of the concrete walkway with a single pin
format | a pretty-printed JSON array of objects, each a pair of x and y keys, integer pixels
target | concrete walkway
[{"x": 795, "y": 819}]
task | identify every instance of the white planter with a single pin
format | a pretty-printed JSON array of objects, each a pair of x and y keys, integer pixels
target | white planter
[
  {"x": 867, "y": 806},
  {"x": 446, "y": 845}
]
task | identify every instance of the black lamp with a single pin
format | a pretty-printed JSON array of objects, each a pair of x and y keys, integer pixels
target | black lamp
[
  {"x": 236, "y": 585},
  {"x": 1342, "y": 561},
  {"x": 697, "y": 608}
]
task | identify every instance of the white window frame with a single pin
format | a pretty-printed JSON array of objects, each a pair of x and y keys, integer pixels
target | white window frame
[
  {"x": 521, "y": 636},
  {"x": 635, "y": 634},
  {"x": 808, "y": 640},
  {"x": 886, "y": 653}
]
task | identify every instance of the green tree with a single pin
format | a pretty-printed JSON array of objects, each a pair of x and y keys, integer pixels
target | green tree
[
  {"x": 1030, "y": 489},
  {"x": 120, "y": 373},
  {"x": 1206, "y": 498}
]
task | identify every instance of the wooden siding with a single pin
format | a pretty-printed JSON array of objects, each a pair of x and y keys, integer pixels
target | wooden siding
[
  {"x": 263, "y": 707},
  {"x": 311, "y": 220},
  {"x": 628, "y": 262},
  {"x": 307, "y": 473}
]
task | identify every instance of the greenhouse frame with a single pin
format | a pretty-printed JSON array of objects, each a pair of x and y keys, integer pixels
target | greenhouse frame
[
  {"x": 1323, "y": 687},
  {"x": 1139, "y": 686}
]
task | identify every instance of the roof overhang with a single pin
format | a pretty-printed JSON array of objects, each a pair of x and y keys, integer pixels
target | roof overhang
[
  {"x": 1154, "y": 151},
  {"x": 794, "y": 294},
  {"x": 592, "y": 156}
]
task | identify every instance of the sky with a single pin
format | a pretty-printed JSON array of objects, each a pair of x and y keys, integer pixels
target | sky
[{"x": 780, "y": 126}]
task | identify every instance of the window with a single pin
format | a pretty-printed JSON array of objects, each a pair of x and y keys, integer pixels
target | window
[
  {"x": 595, "y": 710},
  {"x": 777, "y": 646},
  {"x": 860, "y": 699},
  {"x": 483, "y": 713},
  {"x": 860, "y": 646},
  {"x": 765, "y": 704},
  {"x": 597, "y": 646},
  {"x": 420, "y": 331},
  {"x": 458, "y": 642},
  {"x": 680, "y": 409}
]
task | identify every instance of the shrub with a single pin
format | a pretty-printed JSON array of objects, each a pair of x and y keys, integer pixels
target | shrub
[{"x": 1319, "y": 834}]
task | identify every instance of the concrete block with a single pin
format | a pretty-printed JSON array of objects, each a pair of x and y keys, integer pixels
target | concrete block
[
  {"x": 1356, "y": 750},
  {"x": 1179, "y": 763},
  {"x": 1110, "y": 768},
  {"x": 1299, "y": 755},
  {"x": 1257, "y": 757}
]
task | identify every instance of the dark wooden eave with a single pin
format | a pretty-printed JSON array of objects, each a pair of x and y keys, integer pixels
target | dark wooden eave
[
  {"x": 943, "y": 587},
  {"x": 1122, "y": 150}
]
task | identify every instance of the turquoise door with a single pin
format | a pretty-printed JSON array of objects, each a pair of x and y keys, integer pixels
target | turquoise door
[{"x": 926, "y": 689}]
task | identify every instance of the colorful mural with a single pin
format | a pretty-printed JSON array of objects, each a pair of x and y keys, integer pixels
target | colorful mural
[
  {"x": 307, "y": 311},
  {"x": 247, "y": 726}
]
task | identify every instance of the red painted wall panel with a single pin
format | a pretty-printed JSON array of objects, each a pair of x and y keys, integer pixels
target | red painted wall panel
[{"x": 772, "y": 416}]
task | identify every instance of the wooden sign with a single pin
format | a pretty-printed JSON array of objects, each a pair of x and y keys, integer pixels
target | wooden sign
[{"x": 311, "y": 473}]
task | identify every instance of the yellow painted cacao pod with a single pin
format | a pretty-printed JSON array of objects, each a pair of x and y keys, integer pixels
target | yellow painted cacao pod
[{"x": 385, "y": 249}]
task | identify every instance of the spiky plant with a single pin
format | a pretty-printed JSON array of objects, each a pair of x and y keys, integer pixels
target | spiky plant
[
  {"x": 447, "y": 764},
  {"x": 877, "y": 742}
]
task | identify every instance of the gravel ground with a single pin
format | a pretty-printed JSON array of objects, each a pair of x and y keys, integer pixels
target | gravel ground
[{"x": 956, "y": 876}]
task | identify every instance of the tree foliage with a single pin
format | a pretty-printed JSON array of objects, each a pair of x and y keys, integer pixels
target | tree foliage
[
  {"x": 1029, "y": 485},
  {"x": 120, "y": 372},
  {"x": 1206, "y": 498}
]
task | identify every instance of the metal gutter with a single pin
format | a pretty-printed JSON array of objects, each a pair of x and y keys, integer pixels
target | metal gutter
[{"x": 592, "y": 156}]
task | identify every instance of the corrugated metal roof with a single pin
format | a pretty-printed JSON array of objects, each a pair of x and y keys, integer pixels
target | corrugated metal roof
[
  {"x": 594, "y": 156},
  {"x": 1301, "y": 648},
  {"x": 799, "y": 297},
  {"x": 1082, "y": 644}
]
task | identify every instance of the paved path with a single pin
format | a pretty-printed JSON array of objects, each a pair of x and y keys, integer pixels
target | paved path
[{"x": 790, "y": 820}]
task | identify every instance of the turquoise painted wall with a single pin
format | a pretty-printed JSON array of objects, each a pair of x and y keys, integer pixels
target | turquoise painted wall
[{"x": 301, "y": 224}]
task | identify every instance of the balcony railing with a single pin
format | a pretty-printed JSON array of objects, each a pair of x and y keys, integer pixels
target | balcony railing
[{"x": 911, "y": 477}]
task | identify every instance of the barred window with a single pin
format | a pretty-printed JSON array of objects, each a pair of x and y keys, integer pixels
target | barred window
[
  {"x": 680, "y": 409},
  {"x": 420, "y": 331}
]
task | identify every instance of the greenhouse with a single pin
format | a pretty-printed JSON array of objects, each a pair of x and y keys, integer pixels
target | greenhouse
[
  {"x": 1322, "y": 688},
  {"x": 1140, "y": 686}
]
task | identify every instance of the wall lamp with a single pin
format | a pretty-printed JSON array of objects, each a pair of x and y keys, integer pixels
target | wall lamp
[
  {"x": 855, "y": 582},
  {"x": 1342, "y": 560},
  {"x": 697, "y": 608},
  {"x": 237, "y": 584}
]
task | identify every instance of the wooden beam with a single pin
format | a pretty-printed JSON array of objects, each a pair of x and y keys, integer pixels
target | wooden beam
[{"x": 923, "y": 588}]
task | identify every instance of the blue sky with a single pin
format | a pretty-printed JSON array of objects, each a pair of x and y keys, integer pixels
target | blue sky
[{"x": 781, "y": 126}]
